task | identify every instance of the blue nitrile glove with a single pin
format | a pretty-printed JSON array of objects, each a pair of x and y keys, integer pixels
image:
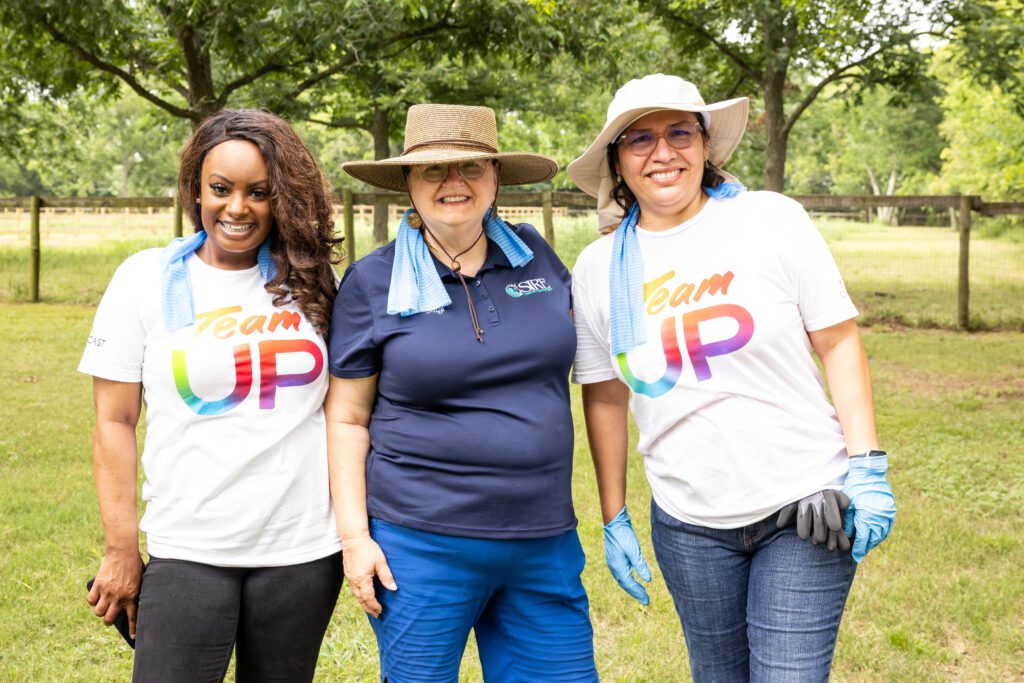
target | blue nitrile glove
[
  {"x": 622, "y": 553},
  {"x": 872, "y": 510}
]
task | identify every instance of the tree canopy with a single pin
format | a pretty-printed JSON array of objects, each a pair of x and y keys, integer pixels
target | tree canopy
[
  {"x": 788, "y": 52},
  {"x": 97, "y": 96}
]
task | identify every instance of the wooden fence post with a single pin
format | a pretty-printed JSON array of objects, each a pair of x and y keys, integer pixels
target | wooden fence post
[
  {"x": 177, "y": 215},
  {"x": 348, "y": 213},
  {"x": 34, "y": 251},
  {"x": 963, "y": 285},
  {"x": 33, "y": 257},
  {"x": 549, "y": 223}
]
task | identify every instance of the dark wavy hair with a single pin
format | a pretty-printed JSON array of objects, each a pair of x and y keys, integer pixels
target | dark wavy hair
[
  {"x": 624, "y": 196},
  {"x": 302, "y": 232}
]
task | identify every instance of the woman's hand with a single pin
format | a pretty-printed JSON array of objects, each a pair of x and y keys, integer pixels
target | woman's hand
[
  {"x": 116, "y": 587},
  {"x": 872, "y": 509},
  {"x": 623, "y": 555},
  {"x": 363, "y": 560}
]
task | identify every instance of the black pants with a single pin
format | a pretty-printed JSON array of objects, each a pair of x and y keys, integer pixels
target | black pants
[{"x": 191, "y": 615}]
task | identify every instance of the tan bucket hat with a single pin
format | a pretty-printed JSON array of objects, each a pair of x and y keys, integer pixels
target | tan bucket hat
[
  {"x": 444, "y": 133},
  {"x": 726, "y": 122}
]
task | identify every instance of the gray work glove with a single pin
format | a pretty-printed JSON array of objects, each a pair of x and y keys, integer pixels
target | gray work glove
[{"x": 819, "y": 517}]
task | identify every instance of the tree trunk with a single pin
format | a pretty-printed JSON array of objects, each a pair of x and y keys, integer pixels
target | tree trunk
[
  {"x": 776, "y": 136},
  {"x": 886, "y": 214},
  {"x": 891, "y": 212},
  {"x": 126, "y": 172},
  {"x": 381, "y": 150},
  {"x": 195, "y": 51}
]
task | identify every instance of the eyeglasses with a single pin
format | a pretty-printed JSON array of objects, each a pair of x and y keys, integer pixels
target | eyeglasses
[
  {"x": 642, "y": 142},
  {"x": 469, "y": 170}
]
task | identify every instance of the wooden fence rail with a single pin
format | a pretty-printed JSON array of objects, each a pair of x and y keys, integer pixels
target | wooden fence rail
[{"x": 960, "y": 208}]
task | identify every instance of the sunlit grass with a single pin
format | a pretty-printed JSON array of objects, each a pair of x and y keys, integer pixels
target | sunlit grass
[{"x": 941, "y": 600}]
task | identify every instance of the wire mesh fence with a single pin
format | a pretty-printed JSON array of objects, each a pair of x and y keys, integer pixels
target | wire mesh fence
[{"x": 895, "y": 274}]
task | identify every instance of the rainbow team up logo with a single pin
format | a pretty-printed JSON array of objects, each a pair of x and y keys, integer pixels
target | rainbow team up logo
[
  {"x": 656, "y": 299},
  {"x": 222, "y": 324}
]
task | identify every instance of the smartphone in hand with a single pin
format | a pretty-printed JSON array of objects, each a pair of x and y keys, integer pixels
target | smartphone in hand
[{"x": 120, "y": 621}]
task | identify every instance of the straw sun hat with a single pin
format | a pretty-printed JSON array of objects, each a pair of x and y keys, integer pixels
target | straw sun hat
[
  {"x": 445, "y": 133},
  {"x": 725, "y": 122}
]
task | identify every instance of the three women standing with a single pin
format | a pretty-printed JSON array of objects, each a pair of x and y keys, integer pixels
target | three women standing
[{"x": 450, "y": 437}]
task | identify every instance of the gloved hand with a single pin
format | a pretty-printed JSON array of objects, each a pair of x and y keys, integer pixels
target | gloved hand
[
  {"x": 819, "y": 516},
  {"x": 622, "y": 553},
  {"x": 872, "y": 506}
]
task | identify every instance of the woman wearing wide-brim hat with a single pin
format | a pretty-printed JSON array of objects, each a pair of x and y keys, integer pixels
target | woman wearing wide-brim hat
[
  {"x": 705, "y": 303},
  {"x": 449, "y": 425}
]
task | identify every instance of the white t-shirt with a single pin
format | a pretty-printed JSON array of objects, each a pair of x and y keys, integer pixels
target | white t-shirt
[
  {"x": 733, "y": 418},
  {"x": 235, "y": 456}
]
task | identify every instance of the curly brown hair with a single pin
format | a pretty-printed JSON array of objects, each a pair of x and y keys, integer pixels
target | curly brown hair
[
  {"x": 624, "y": 197},
  {"x": 302, "y": 235}
]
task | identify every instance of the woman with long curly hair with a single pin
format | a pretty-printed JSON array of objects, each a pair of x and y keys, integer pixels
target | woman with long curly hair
[{"x": 223, "y": 334}]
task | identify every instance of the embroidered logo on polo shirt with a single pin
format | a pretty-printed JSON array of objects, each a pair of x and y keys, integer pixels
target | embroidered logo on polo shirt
[{"x": 520, "y": 289}]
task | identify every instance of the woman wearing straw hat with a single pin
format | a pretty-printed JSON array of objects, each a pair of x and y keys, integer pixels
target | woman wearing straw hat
[
  {"x": 705, "y": 303},
  {"x": 449, "y": 429}
]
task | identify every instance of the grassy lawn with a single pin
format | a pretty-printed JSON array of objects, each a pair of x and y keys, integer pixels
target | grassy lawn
[{"x": 941, "y": 600}]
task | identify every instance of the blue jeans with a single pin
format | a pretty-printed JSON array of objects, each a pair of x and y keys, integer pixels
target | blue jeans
[
  {"x": 523, "y": 598},
  {"x": 756, "y": 603}
]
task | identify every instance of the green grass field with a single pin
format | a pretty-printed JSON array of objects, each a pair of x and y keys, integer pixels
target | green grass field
[{"x": 941, "y": 600}]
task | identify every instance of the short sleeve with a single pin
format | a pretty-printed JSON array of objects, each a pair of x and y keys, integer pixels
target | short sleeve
[
  {"x": 352, "y": 345},
  {"x": 593, "y": 353},
  {"x": 819, "y": 288},
  {"x": 117, "y": 340}
]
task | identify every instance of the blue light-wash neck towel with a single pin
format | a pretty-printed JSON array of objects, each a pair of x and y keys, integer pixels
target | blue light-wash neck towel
[
  {"x": 415, "y": 285},
  {"x": 626, "y": 278},
  {"x": 176, "y": 285}
]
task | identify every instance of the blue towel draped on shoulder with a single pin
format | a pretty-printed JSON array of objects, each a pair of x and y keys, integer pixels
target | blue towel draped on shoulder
[
  {"x": 626, "y": 277},
  {"x": 415, "y": 285},
  {"x": 176, "y": 284}
]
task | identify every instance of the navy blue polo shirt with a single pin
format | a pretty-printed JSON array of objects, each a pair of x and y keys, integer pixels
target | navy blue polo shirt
[{"x": 467, "y": 439}]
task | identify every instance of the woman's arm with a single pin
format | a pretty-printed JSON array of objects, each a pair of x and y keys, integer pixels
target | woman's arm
[
  {"x": 115, "y": 467},
  {"x": 605, "y": 408},
  {"x": 849, "y": 382},
  {"x": 872, "y": 511},
  {"x": 348, "y": 408}
]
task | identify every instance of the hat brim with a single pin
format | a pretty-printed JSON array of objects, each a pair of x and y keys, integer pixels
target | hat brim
[
  {"x": 728, "y": 123},
  {"x": 517, "y": 168}
]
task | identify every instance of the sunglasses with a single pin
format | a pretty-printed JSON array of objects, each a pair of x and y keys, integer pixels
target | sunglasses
[
  {"x": 469, "y": 170},
  {"x": 643, "y": 142}
]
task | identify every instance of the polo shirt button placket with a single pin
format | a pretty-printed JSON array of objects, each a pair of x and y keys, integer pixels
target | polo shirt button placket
[{"x": 492, "y": 312}]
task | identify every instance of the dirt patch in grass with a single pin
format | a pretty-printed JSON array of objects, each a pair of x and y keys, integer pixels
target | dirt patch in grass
[{"x": 900, "y": 378}]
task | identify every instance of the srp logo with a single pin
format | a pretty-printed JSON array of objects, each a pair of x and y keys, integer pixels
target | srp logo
[{"x": 534, "y": 286}]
